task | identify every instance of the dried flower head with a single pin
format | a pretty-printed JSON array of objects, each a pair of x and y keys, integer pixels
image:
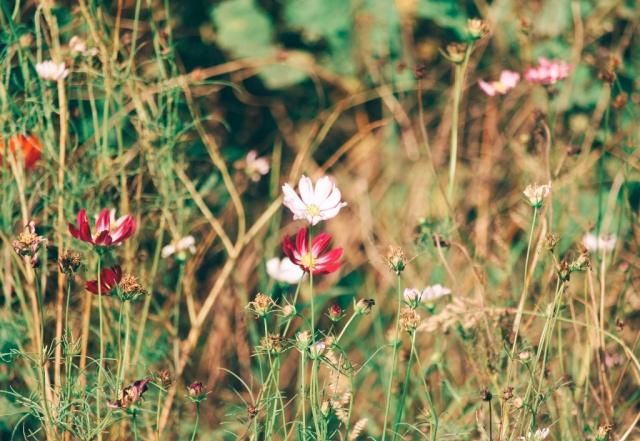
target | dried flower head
[
  {"x": 396, "y": 259},
  {"x": 261, "y": 305},
  {"x": 303, "y": 340},
  {"x": 551, "y": 241},
  {"x": 69, "y": 262},
  {"x": 536, "y": 194},
  {"x": 28, "y": 243},
  {"x": 486, "y": 395},
  {"x": 272, "y": 343},
  {"x": 289, "y": 311},
  {"x": 602, "y": 434},
  {"x": 456, "y": 52},
  {"x": 252, "y": 412},
  {"x": 477, "y": 28},
  {"x": 581, "y": 263},
  {"x": 507, "y": 394},
  {"x": 164, "y": 379},
  {"x": 364, "y": 306},
  {"x": 409, "y": 319},
  {"x": 130, "y": 288},
  {"x": 131, "y": 394}
]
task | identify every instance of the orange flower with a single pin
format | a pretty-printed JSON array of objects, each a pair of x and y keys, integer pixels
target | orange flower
[{"x": 28, "y": 146}]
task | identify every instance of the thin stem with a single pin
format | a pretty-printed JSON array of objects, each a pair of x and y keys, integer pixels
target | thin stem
[
  {"x": 405, "y": 386},
  {"x": 353, "y": 316},
  {"x": 303, "y": 390},
  {"x": 393, "y": 362},
  {"x": 101, "y": 359},
  {"x": 453, "y": 158},
  {"x": 195, "y": 427}
]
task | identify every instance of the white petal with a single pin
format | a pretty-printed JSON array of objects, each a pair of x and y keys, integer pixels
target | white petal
[
  {"x": 292, "y": 201},
  {"x": 324, "y": 186},
  {"x": 167, "y": 251},
  {"x": 305, "y": 187}
]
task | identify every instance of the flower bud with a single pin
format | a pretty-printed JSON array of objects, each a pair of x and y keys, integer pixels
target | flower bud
[
  {"x": 477, "y": 28},
  {"x": 456, "y": 52},
  {"x": 196, "y": 391},
  {"x": 289, "y": 311},
  {"x": 335, "y": 313},
  {"x": 396, "y": 259},
  {"x": 130, "y": 288}
]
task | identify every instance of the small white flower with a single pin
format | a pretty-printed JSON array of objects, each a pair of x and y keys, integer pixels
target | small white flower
[
  {"x": 77, "y": 45},
  {"x": 414, "y": 296},
  {"x": 256, "y": 167},
  {"x": 536, "y": 194},
  {"x": 284, "y": 270},
  {"x": 187, "y": 243},
  {"x": 313, "y": 204},
  {"x": 603, "y": 242},
  {"x": 538, "y": 435},
  {"x": 51, "y": 71}
]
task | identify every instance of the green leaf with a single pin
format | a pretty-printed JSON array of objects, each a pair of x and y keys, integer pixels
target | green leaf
[{"x": 445, "y": 13}]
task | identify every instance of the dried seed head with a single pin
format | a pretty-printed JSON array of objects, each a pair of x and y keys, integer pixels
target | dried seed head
[
  {"x": 456, "y": 52},
  {"x": 486, "y": 395},
  {"x": 272, "y": 343},
  {"x": 409, "y": 319},
  {"x": 477, "y": 28},
  {"x": 303, "y": 340},
  {"x": 130, "y": 288},
  {"x": 28, "y": 243},
  {"x": 551, "y": 241},
  {"x": 164, "y": 378},
  {"x": 252, "y": 412},
  {"x": 396, "y": 259},
  {"x": 261, "y": 305},
  {"x": 507, "y": 394},
  {"x": 69, "y": 262}
]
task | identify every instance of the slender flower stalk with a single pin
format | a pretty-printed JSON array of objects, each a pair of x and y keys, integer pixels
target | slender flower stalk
[
  {"x": 405, "y": 387},
  {"x": 394, "y": 360}
]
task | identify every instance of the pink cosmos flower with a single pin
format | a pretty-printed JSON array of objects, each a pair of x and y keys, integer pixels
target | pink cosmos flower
[
  {"x": 313, "y": 204},
  {"x": 315, "y": 259},
  {"x": 256, "y": 167},
  {"x": 108, "y": 232},
  {"x": 508, "y": 80},
  {"x": 109, "y": 279},
  {"x": 548, "y": 71}
]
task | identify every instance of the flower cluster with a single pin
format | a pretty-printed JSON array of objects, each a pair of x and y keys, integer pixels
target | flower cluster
[{"x": 548, "y": 72}]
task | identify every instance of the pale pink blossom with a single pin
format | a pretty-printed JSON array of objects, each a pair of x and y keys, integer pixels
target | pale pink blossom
[
  {"x": 508, "y": 80},
  {"x": 414, "y": 296},
  {"x": 256, "y": 167},
  {"x": 314, "y": 204},
  {"x": 51, "y": 71},
  {"x": 602, "y": 242},
  {"x": 548, "y": 71}
]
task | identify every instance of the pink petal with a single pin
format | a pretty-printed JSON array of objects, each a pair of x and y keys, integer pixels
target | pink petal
[
  {"x": 104, "y": 221},
  {"x": 83, "y": 226},
  {"x": 320, "y": 243},
  {"x": 487, "y": 88}
]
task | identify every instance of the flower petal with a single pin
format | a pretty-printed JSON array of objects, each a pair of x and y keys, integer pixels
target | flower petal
[
  {"x": 103, "y": 222},
  {"x": 305, "y": 187}
]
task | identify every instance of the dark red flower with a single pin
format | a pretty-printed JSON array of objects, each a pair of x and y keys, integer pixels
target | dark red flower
[
  {"x": 108, "y": 232},
  {"x": 315, "y": 260},
  {"x": 109, "y": 279}
]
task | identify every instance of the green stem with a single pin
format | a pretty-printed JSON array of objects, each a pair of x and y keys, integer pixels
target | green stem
[
  {"x": 432, "y": 408},
  {"x": 303, "y": 390},
  {"x": 195, "y": 427},
  {"x": 101, "y": 359},
  {"x": 405, "y": 386},
  {"x": 393, "y": 362},
  {"x": 353, "y": 316}
]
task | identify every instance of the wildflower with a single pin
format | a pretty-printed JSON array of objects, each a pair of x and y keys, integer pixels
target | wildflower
[
  {"x": 316, "y": 350},
  {"x": 28, "y": 243},
  {"x": 261, "y": 305},
  {"x": 548, "y": 71},
  {"x": 363, "y": 307},
  {"x": 69, "y": 262},
  {"x": 550, "y": 241},
  {"x": 335, "y": 313},
  {"x": 582, "y": 262},
  {"x": 131, "y": 394},
  {"x": 272, "y": 343},
  {"x": 108, "y": 232},
  {"x": 289, "y": 311},
  {"x": 396, "y": 259},
  {"x": 303, "y": 340},
  {"x": 486, "y": 395},
  {"x": 538, "y": 435},
  {"x": 130, "y": 288},
  {"x": 284, "y": 270},
  {"x": 414, "y": 296},
  {"x": 456, "y": 52},
  {"x": 196, "y": 392},
  {"x": 602, "y": 242},
  {"x": 109, "y": 280},
  {"x": 255, "y": 167},
  {"x": 51, "y": 71},
  {"x": 312, "y": 259},
  {"x": 180, "y": 248},
  {"x": 508, "y": 80},
  {"x": 409, "y": 319},
  {"x": 27, "y": 147},
  {"x": 164, "y": 378},
  {"x": 314, "y": 204},
  {"x": 536, "y": 194},
  {"x": 477, "y": 28}
]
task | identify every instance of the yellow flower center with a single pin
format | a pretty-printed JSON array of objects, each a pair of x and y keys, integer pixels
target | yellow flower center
[
  {"x": 308, "y": 261},
  {"x": 313, "y": 210}
]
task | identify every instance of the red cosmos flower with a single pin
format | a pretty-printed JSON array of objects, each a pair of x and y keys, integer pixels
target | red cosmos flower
[
  {"x": 109, "y": 279},
  {"x": 312, "y": 260},
  {"x": 28, "y": 147},
  {"x": 106, "y": 234}
]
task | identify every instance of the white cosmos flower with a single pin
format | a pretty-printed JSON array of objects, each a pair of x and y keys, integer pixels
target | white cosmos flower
[
  {"x": 538, "y": 435},
  {"x": 256, "y": 167},
  {"x": 535, "y": 194},
  {"x": 603, "y": 242},
  {"x": 313, "y": 204},
  {"x": 51, "y": 71},
  {"x": 284, "y": 270},
  {"x": 414, "y": 296},
  {"x": 187, "y": 243}
]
